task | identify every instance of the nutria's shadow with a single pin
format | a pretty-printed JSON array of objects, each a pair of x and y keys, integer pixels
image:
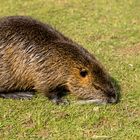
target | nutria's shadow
[{"x": 118, "y": 88}]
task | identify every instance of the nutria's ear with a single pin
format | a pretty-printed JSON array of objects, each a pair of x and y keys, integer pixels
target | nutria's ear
[{"x": 83, "y": 73}]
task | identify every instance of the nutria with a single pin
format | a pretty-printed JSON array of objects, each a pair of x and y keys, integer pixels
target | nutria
[{"x": 36, "y": 57}]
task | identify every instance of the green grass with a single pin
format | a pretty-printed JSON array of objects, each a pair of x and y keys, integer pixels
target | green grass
[{"x": 111, "y": 30}]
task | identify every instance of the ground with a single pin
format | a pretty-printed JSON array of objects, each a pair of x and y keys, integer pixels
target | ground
[{"x": 110, "y": 29}]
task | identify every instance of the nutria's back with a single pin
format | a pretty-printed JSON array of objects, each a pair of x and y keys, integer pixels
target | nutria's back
[
  {"x": 36, "y": 57},
  {"x": 26, "y": 28}
]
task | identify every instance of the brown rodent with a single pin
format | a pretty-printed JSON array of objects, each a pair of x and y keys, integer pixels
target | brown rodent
[{"x": 36, "y": 57}]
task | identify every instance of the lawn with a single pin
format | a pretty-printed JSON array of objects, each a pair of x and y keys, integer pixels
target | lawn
[{"x": 110, "y": 29}]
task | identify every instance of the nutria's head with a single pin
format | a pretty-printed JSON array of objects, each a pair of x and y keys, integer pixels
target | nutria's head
[
  {"x": 87, "y": 79},
  {"x": 92, "y": 84}
]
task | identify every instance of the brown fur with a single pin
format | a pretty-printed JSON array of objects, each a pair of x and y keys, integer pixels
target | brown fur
[{"x": 36, "y": 57}]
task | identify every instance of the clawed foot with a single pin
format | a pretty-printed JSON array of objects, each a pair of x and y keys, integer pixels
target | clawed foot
[{"x": 61, "y": 101}]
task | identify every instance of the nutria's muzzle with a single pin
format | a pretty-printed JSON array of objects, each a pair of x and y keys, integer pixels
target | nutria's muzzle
[{"x": 111, "y": 98}]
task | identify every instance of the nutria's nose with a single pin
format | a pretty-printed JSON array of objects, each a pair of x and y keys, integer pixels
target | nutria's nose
[
  {"x": 112, "y": 97},
  {"x": 112, "y": 100}
]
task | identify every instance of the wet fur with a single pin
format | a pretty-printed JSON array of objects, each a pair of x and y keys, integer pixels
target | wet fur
[{"x": 34, "y": 56}]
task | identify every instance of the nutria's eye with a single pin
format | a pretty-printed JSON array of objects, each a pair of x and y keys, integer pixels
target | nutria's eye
[{"x": 83, "y": 73}]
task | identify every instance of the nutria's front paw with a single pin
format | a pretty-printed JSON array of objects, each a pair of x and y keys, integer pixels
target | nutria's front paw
[{"x": 61, "y": 101}]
